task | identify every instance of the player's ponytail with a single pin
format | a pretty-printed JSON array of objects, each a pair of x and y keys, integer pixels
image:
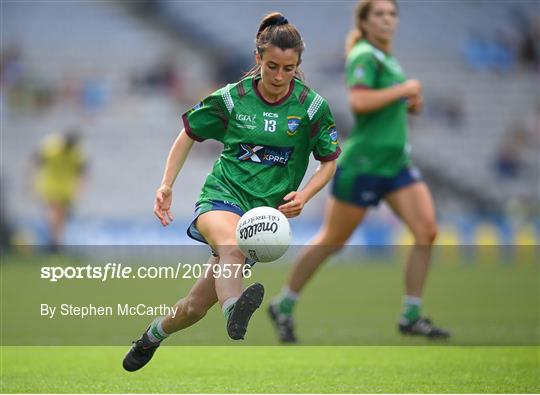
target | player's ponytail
[
  {"x": 352, "y": 38},
  {"x": 275, "y": 30},
  {"x": 361, "y": 14}
]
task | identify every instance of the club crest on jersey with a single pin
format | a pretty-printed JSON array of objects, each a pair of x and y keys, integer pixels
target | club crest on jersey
[
  {"x": 292, "y": 124},
  {"x": 332, "y": 131},
  {"x": 264, "y": 155}
]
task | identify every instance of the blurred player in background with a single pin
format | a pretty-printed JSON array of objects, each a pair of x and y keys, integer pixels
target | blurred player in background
[
  {"x": 60, "y": 165},
  {"x": 270, "y": 122},
  {"x": 375, "y": 165}
]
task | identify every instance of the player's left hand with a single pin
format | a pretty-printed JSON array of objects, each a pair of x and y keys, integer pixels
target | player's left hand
[
  {"x": 295, "y": 203},
  {"x": 415, "y": 104}
]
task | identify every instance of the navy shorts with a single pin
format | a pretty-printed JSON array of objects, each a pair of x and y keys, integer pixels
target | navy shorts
[
  {"x": 214, "y": 205},
  {"x": 367, "y": 190},
  {"x": 203, "y": 207}
]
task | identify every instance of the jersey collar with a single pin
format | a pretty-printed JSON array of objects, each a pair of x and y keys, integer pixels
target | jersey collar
[{"x": 277, "y": 103}]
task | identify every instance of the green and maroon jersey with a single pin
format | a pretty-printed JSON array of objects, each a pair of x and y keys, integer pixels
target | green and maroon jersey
[
  {"x": 266, "y": 145},
  {"x": 378, "y": 143}
]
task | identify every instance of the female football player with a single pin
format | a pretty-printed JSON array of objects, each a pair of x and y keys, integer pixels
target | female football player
[
  {"x": 375, "y": 165},
  {"x": 269, "y": 123}
]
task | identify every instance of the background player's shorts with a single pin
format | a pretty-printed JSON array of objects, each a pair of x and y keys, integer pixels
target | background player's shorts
[
  {"x": 367, "y": 190},
  {"x": 213, "y": 205},
  {"x": 56, "y": 191}
]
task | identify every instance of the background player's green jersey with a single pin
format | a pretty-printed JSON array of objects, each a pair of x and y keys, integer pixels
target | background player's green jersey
[
  {"x": 266, "y": 145},
  {"x": 378, "y": 142}
]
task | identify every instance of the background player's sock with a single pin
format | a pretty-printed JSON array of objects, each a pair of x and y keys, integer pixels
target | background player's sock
[
  {"x": 285, "y": 301},
  {"x": 228, "y": 307},
  {"x": 155, "y": 333},
  {"x": 411, "y": 309}
]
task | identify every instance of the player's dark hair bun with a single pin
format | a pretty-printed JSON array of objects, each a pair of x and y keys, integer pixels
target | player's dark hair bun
[
  {"x": 273, "y": 19},
  {"x": 281, "y": 21}
]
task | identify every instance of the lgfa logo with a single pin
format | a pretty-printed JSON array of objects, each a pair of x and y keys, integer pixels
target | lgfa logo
[{"x": 246, "y": 118}]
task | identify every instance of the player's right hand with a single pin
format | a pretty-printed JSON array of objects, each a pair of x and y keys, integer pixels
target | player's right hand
[
  {"x": 162, "y": 205},
  {"x": 412, "y": 88}
]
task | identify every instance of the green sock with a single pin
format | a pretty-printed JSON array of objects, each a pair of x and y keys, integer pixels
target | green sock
[
  {"x": 285, "y": 301},
  {"x": 227, "y": 312},
  {"x": 411, "y": 308},
  {"x": 228, "y": 307},
  {"x": 286, "y": 305},
  {"x": 155, "y": 333}
]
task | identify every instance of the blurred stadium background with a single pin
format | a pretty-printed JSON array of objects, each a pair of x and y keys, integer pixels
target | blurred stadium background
[{"x": 123, "y": 73}]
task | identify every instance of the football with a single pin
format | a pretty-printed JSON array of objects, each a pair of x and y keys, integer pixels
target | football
[{"x": 263, "y": 234}]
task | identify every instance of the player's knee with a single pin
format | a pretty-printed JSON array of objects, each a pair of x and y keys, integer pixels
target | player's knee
[
  {"x": 426, "y": 234},
  {"x": 230, "y": 252},
  {"x": 330, "y": 241}
]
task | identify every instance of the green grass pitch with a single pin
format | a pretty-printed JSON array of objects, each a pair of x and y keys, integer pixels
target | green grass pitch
[
  {"x": 346, "y": 322},
  {"x": 274, "y": 370}
]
